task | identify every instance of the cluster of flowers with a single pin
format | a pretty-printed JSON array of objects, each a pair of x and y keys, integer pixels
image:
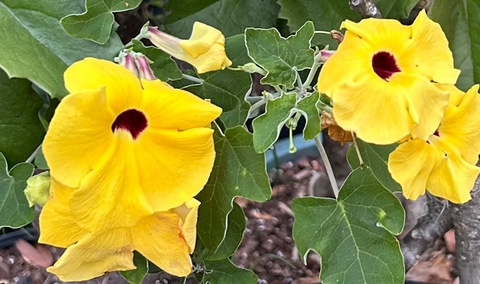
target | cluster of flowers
[
  {"x": 126, "y": 157},
  {"x": 391, "y": 83}
]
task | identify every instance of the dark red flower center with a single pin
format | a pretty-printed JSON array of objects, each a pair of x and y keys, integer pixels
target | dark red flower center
[
  {"x": 384, "y": 64},
  {"x": 132, "y": 120},
  {"x": 436, "y": 133}
]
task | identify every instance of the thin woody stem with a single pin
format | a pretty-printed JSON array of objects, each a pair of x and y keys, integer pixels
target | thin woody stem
[
  {"x": 193, "y": 79},
  {"x": 34, "y": 154},
  {"x": 357, "y": 149},
  {"x": 328, "y": 166}
]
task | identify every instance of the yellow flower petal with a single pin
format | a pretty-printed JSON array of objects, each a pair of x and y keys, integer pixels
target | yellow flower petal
[
  {"x": 57, "y": 225},
  {"x": 460, "y": 126},
  {"x": 160, "y": 240},
  {"x": 178, "y": 168},
  {"x": 79, "y": 136},
  {"x": 188, "y": 213},
  {"x": 382, "y": 61},
  {"x": 112, "y": 197},
  {"x": 201, "y": 40},
  {"x": 94, "y": 255},
  {"x": 411, "y": 164},
  {"x": 170, "y": 108},
  {"x": 123, "y": 89},
  {"x": 452, "y": 178}
]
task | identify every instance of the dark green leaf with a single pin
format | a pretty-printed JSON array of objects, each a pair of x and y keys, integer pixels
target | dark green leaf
[
  {"x": 233, "y": 237},
  {"x": 376, "y": 157},
  {"x": 238, "y": 171},
  {"x": 308, "y": 108},
  {"x": 280, "y": 57},
  {"x": 14, "y": 207},
  {"x": 21, "y": 130},
  {"x": 461, "y": 23},
  {"x": 136, "y": 276},
  {"x": 228, "y": 89},
  {"x": 96, "y": 22},
  {"x": 326, "y": 15},
  {"x": 230, "y": 16},
  {"x": 354, "y": 234},
  {"x": 395, "y": 9},
  {"x": 40, "y": 161},
  {"x": 163, "y": 66},
  {"x": 40, "y": 49},
  {"x": 178, "y": 10},
  {"x": 225, "y": 272},
  {"x": 266, "y": 128}
]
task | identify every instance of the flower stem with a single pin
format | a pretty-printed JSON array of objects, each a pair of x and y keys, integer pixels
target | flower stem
[
  {"x": 323, "y": 32},
  {"x": 257, "y": 105},
  {"x": 193, "y": 79},
  {"x": 313, "y": 70},
  {"x": 299, "y": 81},
  {"x": 328, "y": 166},
  {"x": 34, "y": 154},
  {"x": 105, "y": 278},
  {"x": 360, "y": 160}
]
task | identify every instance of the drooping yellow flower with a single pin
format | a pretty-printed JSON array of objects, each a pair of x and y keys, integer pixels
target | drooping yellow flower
[
  {"x": 165, "y": 238},
  {"x": 381, "y": 79},
  {"x": 205, "y": 49},
  {"x": 445, "y": 163},
  {"x": 132, "y": 147}
]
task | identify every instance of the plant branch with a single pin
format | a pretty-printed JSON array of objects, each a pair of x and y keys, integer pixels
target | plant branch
[
  {"x": 428, "y": 229},
  {"x": 365, "y": 8},
  {"x": 34, "y": 154},
  {"x": 328, "y": 166},
  {"x": 316, "y": 64},
  {"x": 193, "y": 79},
  {"x": 360, "y": 160}
]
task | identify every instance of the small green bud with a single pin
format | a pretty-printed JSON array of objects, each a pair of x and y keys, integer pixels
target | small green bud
[
  {"x": 253, "y": 68},
  {"x": 38, "y": 188}
]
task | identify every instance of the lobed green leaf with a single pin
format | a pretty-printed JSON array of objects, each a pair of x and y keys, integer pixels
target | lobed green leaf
[
  {"x": 238, "y": 171},
  {"x": 231, "y": 17},
  {"x": 14, "y": 207},
  {"x": 461, "y": 24},
  {"x": 41, "y": 50},
  {"x": 308, "y": 108},
  {"x": 136, "y": 276},
  {"x": 279, "y": 56},
  {"x": 96, "y": 22},
  {"x": 355, "y": 234},
  {"x": 225, "y": 272},
  {"x": 21, "y": 130},
  {"x": 375, "y": 157},
  {"x": 226, "y": 88}
]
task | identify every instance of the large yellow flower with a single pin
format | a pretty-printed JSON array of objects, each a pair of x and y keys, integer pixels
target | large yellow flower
[
  {"x": 205, "y": 49},
  {"x": 165, "y": 238},
  {"x": 131, "y": 147},
  {"x": 380, "y": 79},
  {"x": 445, "y": 163}
]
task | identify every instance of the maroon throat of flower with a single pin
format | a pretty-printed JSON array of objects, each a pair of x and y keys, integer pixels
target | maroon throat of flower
[
  {"x": 384, "y": 65},
  {"x": 132, "y": 120}
]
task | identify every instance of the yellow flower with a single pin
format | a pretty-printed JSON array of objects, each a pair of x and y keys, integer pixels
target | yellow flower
[
  {"x": 165, "y": 238},
  {"x": 205, "y": 49},
  {"x": 445, "y": 163},
  {"x": 132, "y": 147},
  {"x": 380, "y": 79}
]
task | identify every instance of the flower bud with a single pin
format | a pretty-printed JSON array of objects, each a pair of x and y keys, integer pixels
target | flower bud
[{"x": 38, "y": 189}]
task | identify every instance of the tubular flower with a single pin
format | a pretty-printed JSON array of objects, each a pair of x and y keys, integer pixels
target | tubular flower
[
  {"x": 166, "y": 238},
  {"x": 132, "y": 147},
  {"x": 381, "y": 79},
  {"x": 205, "y": 49},
  {"x": 445, "y": 163}
]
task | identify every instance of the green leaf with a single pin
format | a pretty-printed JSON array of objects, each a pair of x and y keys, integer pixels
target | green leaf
[
  {"x": 96, "y": 22},
  {"x": 225, "y": 272},
  {"x": 354, "y": 234},
  {"x": 326, "y": 15},
  {"x": 281, "y": 57},
  {"x": 178, "y": 10},
  {"x": 40, "y": 49},
  {"x": 395, "y": 9},
  {"x": 163, "y": 67},
  {"x": 233, "y": 237},
  {"x": 238, "y": 171},
  {"x": 40, "y": 161},
  {"x": 376, "y": 157},
  {"x": 232, "y": 17},
  {"x": 461, "y": 24},
  {"x": 14, "y": 207},
  {"x": 226, "y": 88},
  {"x": 21, "y": 130},
  {"x": 266, "y": 127},
  {"x": 308, "y": 108},
  {"x": 136, "y": 276}
]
